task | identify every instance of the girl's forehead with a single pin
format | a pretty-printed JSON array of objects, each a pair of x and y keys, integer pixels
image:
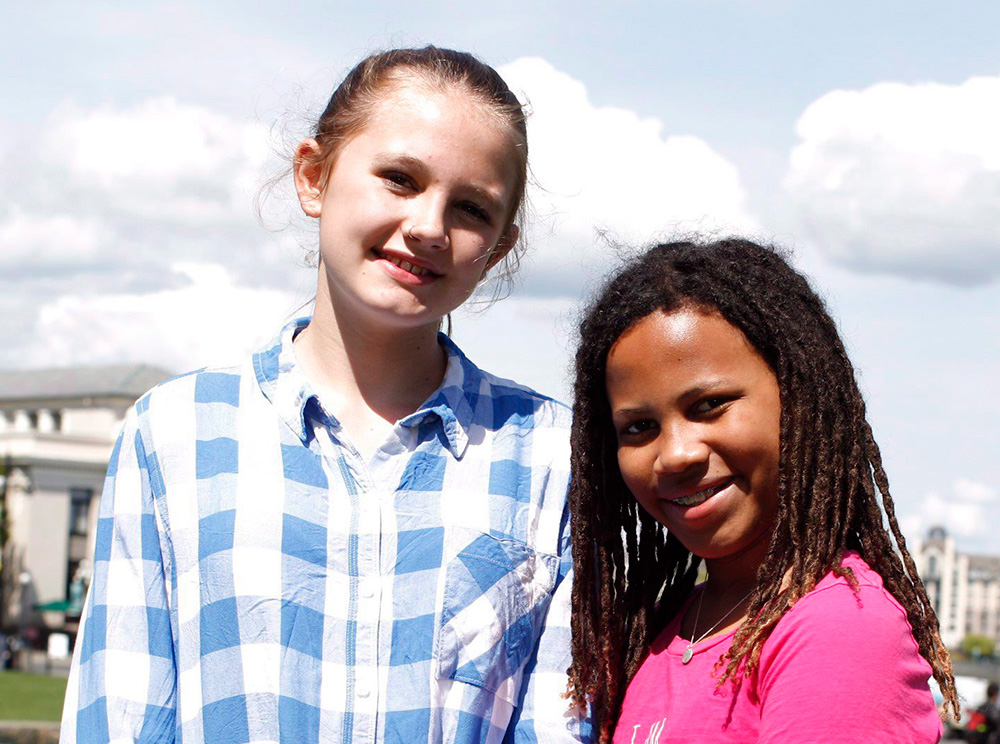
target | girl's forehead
[
  {"x": 415, "y": 100},
  {"x": 441, "y": 126},
  {"x": 686, "y": 337},
  {"x": 431, "y": 98}
]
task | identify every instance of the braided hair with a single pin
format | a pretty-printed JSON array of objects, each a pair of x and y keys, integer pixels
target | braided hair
[{"x": 632, "y": 575}]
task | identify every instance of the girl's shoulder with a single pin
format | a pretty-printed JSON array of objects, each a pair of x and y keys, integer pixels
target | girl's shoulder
[
  {"x": 545, "y": 410},
  {"x": 838, "y": 597},
  {"x": 180, "y": 409},
  {"x": 863, "y": 573},
  {"x": 861, "y": 615},
  {"x": 843, "y": 665},
  {"x": 203, "y": 385},
  {"x": 500, "y": 401},
  {"x": 267, "y": 378}
]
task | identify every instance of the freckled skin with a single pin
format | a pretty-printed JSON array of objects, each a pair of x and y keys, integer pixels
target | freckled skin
[{"x": 694, "y": 407}]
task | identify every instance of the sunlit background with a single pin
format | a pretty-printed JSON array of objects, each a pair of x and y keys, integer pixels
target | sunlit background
[{"x": 135, "y": 139}]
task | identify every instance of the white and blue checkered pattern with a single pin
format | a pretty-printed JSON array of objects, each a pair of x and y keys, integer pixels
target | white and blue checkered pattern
[{"x": 255, "y": 580}]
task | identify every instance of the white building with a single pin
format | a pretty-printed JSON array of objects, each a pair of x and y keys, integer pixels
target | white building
[
  {"x": 57, "y": 430},
  {"x": 964, "y": 589}
]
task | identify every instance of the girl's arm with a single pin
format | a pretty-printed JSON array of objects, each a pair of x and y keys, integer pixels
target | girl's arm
[{"x": 122, "y": 684}]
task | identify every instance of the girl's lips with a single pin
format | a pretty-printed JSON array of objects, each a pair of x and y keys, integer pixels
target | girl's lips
[
  {"x": 695, "y": 505},
  {"x": 404, "y": 271}
]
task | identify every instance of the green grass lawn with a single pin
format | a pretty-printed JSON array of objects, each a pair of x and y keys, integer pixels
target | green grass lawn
[{"x": 30, "y": 697}]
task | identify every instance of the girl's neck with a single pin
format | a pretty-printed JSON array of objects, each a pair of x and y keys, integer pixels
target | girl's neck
[
  {"x": 368, "y": 376},
  {"x": 724, "y": 599},
  {"x": 734, "y": 575},
  {"x": 725, "y": 579}
]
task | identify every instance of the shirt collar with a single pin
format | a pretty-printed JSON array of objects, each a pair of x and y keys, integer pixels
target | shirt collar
[
  {"x": 455, "y": 401},
  {"x": 283, "y": 383},
  {"x": 281, "y": 379}
]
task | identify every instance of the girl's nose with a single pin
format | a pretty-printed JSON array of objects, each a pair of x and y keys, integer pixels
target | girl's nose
[
  {"x": 679, "y": 448},
  {"x": 427, "y": 224}
]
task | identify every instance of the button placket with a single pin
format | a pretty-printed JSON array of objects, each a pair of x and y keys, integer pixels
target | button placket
[{"x": 366, "y": 690}]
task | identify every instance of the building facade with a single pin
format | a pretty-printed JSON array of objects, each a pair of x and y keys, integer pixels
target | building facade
[
  {"x": 57, "y": 430},
  {"x": 963, "y": 588}
]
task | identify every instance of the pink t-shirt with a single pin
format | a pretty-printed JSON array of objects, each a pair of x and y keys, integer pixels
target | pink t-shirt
[{"x": 839, "y": 667}]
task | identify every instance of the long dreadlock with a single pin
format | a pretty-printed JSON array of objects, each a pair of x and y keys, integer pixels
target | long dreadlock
[{"x": 631, "y": 575}]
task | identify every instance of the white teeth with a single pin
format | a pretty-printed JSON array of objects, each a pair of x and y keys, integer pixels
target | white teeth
[
  {"x": 406, "y": 265},
  {"x": 700, "y": 497}
]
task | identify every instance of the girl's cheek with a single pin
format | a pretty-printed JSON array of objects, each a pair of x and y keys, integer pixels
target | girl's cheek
[{"x": 633, "y": 469}]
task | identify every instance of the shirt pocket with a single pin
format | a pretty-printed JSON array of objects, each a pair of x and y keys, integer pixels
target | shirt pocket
[{"x": 496, "y": 594}]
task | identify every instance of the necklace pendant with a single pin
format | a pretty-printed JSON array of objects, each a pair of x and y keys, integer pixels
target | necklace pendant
[{"x": 686, "y": 656}]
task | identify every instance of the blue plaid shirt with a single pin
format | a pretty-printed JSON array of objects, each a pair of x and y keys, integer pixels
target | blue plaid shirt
[{"x": 256, "y": 580}]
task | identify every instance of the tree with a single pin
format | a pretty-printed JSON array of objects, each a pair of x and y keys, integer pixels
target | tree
[{"x": 979, "y": 646}]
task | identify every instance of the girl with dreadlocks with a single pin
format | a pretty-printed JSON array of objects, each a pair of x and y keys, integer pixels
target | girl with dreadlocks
[{"x": 718, "y": 422}]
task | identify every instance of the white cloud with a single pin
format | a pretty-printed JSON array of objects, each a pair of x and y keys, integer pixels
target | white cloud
[
  {"x": 903, "y": 179},
  {"x": 977, "y": 493},
  {"x": 32, "y": 240},
  {"x": 104, "y": 201},
  {"x": 109, "y": 198},
  {"x": 209, "y": 320},
  {"x": 606, "y": 168},
  {"x": 118, "y": 199},
  {"x": 968, "y": 513},
  {"x": 159, "y": 160}
]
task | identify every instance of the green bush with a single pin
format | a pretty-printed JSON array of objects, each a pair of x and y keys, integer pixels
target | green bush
[{"x": 978, "y": 646}]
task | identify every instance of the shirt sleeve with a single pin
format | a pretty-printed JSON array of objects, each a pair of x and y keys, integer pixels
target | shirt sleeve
[
  {"x": 122, "y": 684},
  {"x": 545, "y": 713},
  {"x": 842, "y": 668}
]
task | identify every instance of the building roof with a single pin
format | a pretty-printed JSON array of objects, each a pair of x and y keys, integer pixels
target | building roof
[
  {"x": 123, "y": 380},
  {"x": 984, "y": 566}
]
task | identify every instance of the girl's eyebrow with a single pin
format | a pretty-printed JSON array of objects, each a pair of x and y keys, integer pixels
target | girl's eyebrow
[
  {"x": 711, "y": 385},
  {"x": 629, "y": 411},
  {"x": 705, "y": 387},
  {"x": 386, "y": 159},
  {"x": 490, "y": 202}
]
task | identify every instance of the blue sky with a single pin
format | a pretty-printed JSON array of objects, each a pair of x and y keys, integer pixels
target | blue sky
[{"x": 134, "y": 137}]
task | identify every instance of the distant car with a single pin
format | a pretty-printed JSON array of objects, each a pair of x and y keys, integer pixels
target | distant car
[{"x": 971, "y": 694}]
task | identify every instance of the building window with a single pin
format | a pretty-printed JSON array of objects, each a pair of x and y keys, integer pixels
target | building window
[
  {"x": 932, "y": 565},
  {"x": 79, "y": 510}
]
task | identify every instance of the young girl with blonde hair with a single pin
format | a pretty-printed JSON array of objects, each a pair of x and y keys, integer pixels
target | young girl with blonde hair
[{"x": 356, "y": 535}]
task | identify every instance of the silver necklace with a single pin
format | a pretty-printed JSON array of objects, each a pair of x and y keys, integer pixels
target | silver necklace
[{"x": 689, "y": 651}]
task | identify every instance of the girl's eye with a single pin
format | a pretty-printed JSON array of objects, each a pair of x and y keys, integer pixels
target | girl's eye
[
  {"x": 476, "y": 212},
  {"x": 399, "y": 179},
  {"x": 635, "y": 429},
  {"x": 710, "y": 405}
]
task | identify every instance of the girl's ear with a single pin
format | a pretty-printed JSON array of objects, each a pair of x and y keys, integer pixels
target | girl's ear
[
  {"x": 308, "y": 169},
  {"x": 507, "y": 241}
]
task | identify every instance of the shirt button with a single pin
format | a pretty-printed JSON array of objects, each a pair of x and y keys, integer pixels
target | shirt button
[
  {"x": 363, "y": 691},
  {"x": 367, "y": 589}
]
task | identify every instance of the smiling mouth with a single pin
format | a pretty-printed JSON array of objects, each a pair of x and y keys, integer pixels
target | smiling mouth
[
  {"x": 404, "y": 265},
  {"x": 701, "y": 497}
]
